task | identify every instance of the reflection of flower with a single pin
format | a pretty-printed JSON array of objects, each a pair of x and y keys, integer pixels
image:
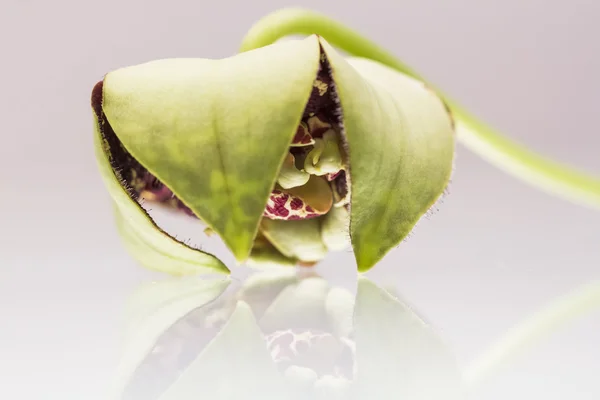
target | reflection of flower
[
  {"x": 303, "y": 333},
  {"x": 279, "y": 335},
  {"x": 321, "y": 352}
]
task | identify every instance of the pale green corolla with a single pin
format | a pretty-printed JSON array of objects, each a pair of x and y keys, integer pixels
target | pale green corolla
[
  {"x": 223, "y": 140},
  {"x": 290, "y": 150}
]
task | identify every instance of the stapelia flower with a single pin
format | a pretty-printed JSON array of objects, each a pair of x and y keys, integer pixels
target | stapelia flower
[{"x": 286, "y": 152}]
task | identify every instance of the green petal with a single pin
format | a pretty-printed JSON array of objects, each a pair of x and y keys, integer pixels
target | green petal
[
  {"x": 235, "y": 365},
  {"x": 290, "y": 176},
  {"x": 151, "y": 310},
  {"x": 147, "y": 243},
  {"x": 201, "y": 126},
  {"x": 298, "y": 239},
  {"x": 334, "y": 229},
  {"x": 396, "y": 352},
  {"x": 401, "y": 148}
]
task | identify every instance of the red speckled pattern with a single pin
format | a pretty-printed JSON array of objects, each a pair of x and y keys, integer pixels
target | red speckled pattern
[
  {"x": 302, "y": 136},
  {"x": 284, "y": 206}
]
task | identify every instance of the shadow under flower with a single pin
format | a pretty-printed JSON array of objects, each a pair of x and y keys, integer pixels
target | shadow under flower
[{"x": 279, "y": 335}]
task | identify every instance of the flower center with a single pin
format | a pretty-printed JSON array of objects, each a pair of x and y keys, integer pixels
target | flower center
[{"x": 304, "y": 187}]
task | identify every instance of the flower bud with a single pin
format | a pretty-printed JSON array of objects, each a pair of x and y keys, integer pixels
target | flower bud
[{"x": 286, "y": 152}]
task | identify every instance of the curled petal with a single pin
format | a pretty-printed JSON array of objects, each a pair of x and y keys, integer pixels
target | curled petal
[
  {"x": 151, "y": 246},
  {"x": 325, "y": 158},
  {"x": 400, "y": 142}
]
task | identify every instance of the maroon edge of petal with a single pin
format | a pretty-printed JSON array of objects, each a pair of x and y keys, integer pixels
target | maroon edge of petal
[
  {"x": 97, "y": 99},
  {"x": 341, "y": 184},
  {"x": 128, "y": 170},
  {"x": 119, "y": 159}
]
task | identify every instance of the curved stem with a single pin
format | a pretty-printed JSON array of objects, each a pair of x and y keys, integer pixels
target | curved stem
[
  {"x": 582, "y": 301},
  {"x": 552, "y": 176}
]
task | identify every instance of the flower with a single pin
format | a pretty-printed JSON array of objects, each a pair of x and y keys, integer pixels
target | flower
[{"x": 286, "y": 152}]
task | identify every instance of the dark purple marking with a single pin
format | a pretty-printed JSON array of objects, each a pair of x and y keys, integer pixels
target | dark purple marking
[
  {"x": 319, "y": 131},
  {"x": 296, "y": 204},
  {"x": 97, "y": 99},
  {"x": 316, "y": 102},
  {"x": 302, "y": 136},
  {"x": 341, "y": 184}
]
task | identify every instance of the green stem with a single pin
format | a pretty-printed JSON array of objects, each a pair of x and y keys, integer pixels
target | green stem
[
  {"x": 554, "y": 177},
  {"x": 582, "y": 301}
]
